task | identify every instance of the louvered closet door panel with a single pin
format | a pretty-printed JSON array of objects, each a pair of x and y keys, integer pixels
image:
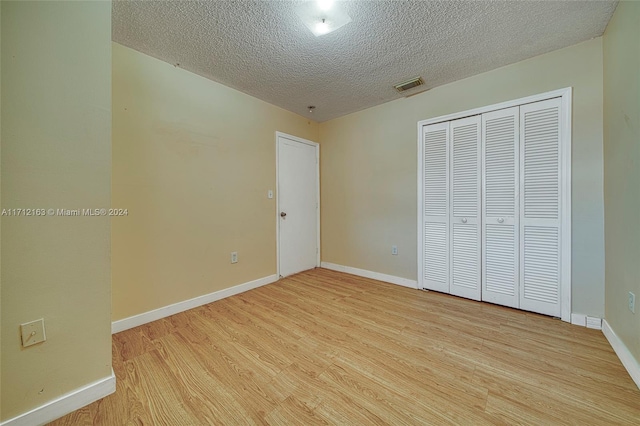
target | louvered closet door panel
[
  {"x": 540, "y": 207},
  {"x": 465, "y": 214},
  {"x": 435, "y": 265},
  {"x": 500, "y": 163}
]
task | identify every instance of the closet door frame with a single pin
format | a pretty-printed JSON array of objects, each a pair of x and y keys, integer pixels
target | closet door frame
[{"x": 565, "y": 185}]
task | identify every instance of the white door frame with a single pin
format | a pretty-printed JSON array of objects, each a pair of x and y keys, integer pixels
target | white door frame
[
  {"x": 317, "y": 147},
  {"x": 565, "y": 155}
]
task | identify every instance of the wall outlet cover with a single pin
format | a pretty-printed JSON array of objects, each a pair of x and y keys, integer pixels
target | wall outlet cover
[
  {"x": 32, "y": 332},
  {"x": 234, "y": 257},
  {"x": 632, "y": 302},
  {"x": 394, "y": 250}
]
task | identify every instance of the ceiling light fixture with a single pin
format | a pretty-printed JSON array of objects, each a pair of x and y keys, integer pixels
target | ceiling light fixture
[
  {"x": 325, "y": 4},
  {"x": 322, "y": 16},
  {"x": 322, "y": 27}
]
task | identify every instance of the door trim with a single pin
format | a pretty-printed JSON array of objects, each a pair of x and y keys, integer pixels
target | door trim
[
  {"x": 565, "y": 95},
  {"x": 277, "y": 196}
]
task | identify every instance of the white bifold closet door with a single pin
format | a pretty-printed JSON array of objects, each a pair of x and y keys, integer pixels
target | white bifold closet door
[
  {"x": 465, "y": 234},
  {"x": 435, "y": 267},
  {"x": 500, "y": 243},
  {"x": 493, "y": 207},
  {"x": 540, "y": 205}
]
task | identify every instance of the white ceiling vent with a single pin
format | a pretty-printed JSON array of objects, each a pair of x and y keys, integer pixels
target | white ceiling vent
[{"x": 409, "y": 84}]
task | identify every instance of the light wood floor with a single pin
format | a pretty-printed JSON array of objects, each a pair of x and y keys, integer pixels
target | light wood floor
[{"x": 323, "y": 347}]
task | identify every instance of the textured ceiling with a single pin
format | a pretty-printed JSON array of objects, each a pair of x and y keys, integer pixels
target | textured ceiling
[{"x": 263, "y": 49}]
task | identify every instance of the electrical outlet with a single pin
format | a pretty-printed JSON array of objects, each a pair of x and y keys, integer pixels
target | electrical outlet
[
  {"x": 394, "y": 250},
  {"x": 270, "y": 194},
  {"x": 632, "y": 302},
  {"x": 32, "y": 332},
  {"x": 234, "y": 257}
]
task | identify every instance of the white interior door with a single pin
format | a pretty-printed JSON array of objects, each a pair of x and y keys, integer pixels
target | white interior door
[
  {"x": 500, "y": 209},
  {"x": 540, "y": 205},
  {"x": 298, "y": 205},
  {"x": 434, "y": 274},
  {"x": 465, "y": 213}
]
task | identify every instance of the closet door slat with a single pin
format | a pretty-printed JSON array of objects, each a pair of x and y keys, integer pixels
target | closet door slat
[
  {"x": 465, "y": 215},
  {"x": 435, "y": 267},
  {"x": 500, "y": 242},
  {"x": 540, "y": 262}
]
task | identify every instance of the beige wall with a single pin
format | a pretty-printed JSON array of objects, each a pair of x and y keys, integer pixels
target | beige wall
[
  {"x": 0, "y": 209},
  {"x": 369, "y": 167},
  {"x": 192, "y": 161},
  {"x": 56, "y": 153},
  {"x": 622, "y": 171}
]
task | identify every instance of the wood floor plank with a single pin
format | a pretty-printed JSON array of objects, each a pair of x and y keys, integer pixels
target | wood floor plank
[{"x": 323, "y": 347}]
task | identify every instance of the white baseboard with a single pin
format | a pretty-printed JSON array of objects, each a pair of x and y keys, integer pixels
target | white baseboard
[
  {"x": 586, "y": 321},
  {"x": 65, "y": 404},
  {"x": 405, "y": 282},
  {"x": 579, "y": 319},
  {"x": 166, "y": 311},
  {"x": 627, "y": 359}
]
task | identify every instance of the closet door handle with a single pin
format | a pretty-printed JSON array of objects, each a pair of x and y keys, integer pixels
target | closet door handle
[
  {"x": 500, "y": 219},
  {"x": 464, "y": 220}
]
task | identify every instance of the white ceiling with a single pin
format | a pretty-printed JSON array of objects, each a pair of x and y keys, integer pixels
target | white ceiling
[{"x": 263, "y": 49}]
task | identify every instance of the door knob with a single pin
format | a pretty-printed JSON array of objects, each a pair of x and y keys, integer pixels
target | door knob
[
  {"x": 282, "y": 214},
  {"x": 464, "y": 220},
  {"x": 500, "y": 219}
]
